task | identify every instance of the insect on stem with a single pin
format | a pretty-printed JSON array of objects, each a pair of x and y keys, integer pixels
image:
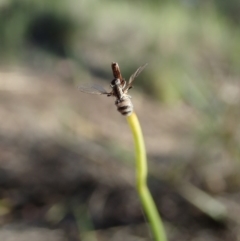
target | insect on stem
[{"x": 119, "y": 89}]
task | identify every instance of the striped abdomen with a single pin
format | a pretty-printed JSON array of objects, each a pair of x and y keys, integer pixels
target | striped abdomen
[{"x": 124, "y": 105}]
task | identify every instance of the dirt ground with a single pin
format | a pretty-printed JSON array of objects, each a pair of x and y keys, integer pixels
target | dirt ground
[{"x": 67, "y": 166}]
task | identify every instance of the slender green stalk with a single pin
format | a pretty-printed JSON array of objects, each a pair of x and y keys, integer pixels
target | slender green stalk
[{"x": 148, "y": 204}]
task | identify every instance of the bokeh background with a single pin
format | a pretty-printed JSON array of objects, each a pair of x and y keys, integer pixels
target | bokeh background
[{"x": 67, "y": 158}]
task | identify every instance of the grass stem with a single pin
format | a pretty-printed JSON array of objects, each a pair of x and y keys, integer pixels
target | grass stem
[{"x": 148, "y": 204}]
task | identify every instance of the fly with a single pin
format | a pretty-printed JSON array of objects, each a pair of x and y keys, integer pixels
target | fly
[{"x": 119, "y": 89}]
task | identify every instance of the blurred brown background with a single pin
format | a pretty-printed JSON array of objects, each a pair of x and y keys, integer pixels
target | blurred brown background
[{"x": 66, "y": 158}]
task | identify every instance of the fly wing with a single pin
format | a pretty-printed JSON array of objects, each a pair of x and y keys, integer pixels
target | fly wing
[
  {"x": 93, "y": 89},
  {"x": 135, "y": 75}
]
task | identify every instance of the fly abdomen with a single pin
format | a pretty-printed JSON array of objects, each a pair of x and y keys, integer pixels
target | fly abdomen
[{"x": 124, "y": 106}]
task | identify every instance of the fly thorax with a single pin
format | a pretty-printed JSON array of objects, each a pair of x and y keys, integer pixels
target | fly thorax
[
  {"x": 117, "y": 89},
  {"x": 115, "y": 82}
]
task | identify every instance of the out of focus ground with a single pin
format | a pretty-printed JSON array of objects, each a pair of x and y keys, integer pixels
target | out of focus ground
[{"x": 67, "y": 157}]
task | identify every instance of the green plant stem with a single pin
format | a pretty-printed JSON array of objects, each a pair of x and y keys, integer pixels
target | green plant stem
[{"x": 148, "y": 204}]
